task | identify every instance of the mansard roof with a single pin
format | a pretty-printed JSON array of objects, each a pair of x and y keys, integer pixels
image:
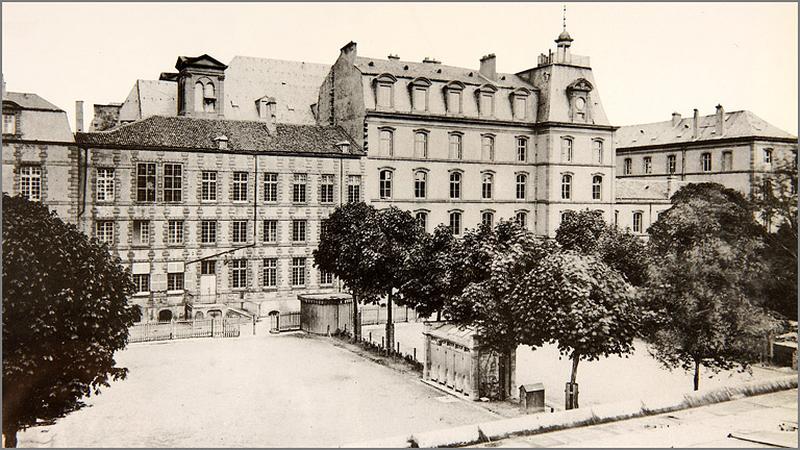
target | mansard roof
[
  {"x": 737, "y": 124},
  {"x": 435, "y": 72},
  {"x": 190, "y": 133}
]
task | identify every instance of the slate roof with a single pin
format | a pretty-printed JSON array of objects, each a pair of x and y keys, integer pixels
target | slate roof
[
  {"x": 243, "y": 135},
  {"x": 638, "y": 189},
  {"x": 150, "y": 98},
  {"x": 435, "y": 72},
  {"x": 30, "y": 101},
  {"x": 737, "y": 124}
]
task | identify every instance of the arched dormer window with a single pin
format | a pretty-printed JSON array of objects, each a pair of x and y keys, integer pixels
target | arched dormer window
[
  {"x": 485, "y": 95},
  {"x": 519, "y": 103},
  {"x": 421, "y": 143},
  {"x": 384, "y": 90},
  {"x": 453, "y": 92},
  {"x": 419, "y": 89},
  {"x": 487, "y": 147}
]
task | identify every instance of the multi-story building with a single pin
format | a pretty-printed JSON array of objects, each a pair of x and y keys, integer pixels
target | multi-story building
[
  {"x": 40, "y": 159},
  {"x": 736, "y": 149},
  {"x": 461, "y": 146}
]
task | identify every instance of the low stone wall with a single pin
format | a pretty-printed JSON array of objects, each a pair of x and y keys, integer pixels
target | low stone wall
[{"x": 609, "y": 412}]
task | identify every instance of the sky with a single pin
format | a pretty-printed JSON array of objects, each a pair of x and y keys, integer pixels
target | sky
[{"x": 649, "y": 59}]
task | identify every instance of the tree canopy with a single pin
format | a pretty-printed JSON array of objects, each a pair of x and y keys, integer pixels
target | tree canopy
[{"x": 65, "y": 314}]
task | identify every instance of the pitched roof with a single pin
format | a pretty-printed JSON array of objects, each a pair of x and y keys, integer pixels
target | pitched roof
[
  {"x": 637, "y": 189},
  {"x": 29, "y": 101},
  {"x": 737, "y": 124},
  {"x": 438, "y": 72},
  {"x": 244, "y": 135}
]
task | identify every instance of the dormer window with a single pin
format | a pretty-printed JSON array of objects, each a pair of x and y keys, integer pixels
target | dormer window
[
  {"x": 453, "y": 92},
  {"x": 266, "y": 108},
  {"x": 222, "y": 142},
  {"x": 578, "y": 95},
  {"x": 486, "y": 100},
  {"x": 420, "y": 88},
  {"x": 384, "y": 91},
  {"x": 519, "y": 102}
]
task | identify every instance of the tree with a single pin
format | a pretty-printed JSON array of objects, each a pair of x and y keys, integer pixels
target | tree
[
  {"x": 347, "y": 250},
  {"x": 581, "y": 304},
  {"x": 704, "y": 283},
  {"x": 426, "y": 286},
  {"x": 65, "y": 314},
  {"x": 587, "y": 233},
  {"x": 775, "y": 198},
  {"x": 399, "y": 233}
]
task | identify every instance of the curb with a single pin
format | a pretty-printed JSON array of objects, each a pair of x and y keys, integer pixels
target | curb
[{"x": 608, "y": 412}]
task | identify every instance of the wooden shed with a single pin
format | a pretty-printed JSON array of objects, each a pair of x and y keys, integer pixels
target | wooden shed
[{"x": 325, "y": 313}]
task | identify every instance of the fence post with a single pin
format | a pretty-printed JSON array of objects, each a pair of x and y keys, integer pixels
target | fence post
[
  {"x": 415, "y": 353},
  {"x": 172, "y": 328}
]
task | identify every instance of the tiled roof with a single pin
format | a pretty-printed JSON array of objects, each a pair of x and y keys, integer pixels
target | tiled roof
[
  {"x": 29, "y": 101},
  {"x": 439, "y": 72},
  {"x": 736, "y": 124},
  {"x": 194, "y": 133}
]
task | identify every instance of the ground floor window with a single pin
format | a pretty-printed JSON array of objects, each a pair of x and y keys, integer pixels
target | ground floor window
[{"x": 175, "y": 281}]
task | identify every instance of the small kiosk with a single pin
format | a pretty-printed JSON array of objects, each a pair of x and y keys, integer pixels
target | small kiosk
[{"x": 325, "y": 313}]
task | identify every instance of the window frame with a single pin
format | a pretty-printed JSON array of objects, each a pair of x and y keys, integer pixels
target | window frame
[
  {"x": 597, "y": 187},
  {"x": 269, "y": 233},
  {"x": 104, "y": 231},
  {"x": 423, "y": 142},
  {"x": 208, "y": 186},
  {"x": 647, "y": 164},
  {"x": 627, "y": 166},
  {"x": 385, "y": 183},
  {"x": 105, "y": 184},
  {"x": 420, "y": 185},
  {"x": 521, "y": 187},
  {"x": 172, "y": 182},
  {"x": 640, "y": 216},
  {"x": 353, "y": 188},
  {"x": 457, "y": 225},
  {"x": 299, "y": 231},
  {"x": 239, "y": 231},
  {"x": 672, "y": 164},
  {"x": 386, "y": 145},
  {"x": 300, "y": 188},
  {"x": 239, "y": 273},
  {"x": 487, "y": 146},
  {"x": 487, "y": 185},
  {"x": 567, "y": 149},
  {"x": 269, "y": 273},
  {"x": 455, "y": 143},
  {"x": 706, "y": 162},
  {"x": 566, "y": 186},
  {"x": 175, "y": 231},
  {"x": 298, "y": 272},
  {"x": 271, "y": 183},
  {"x": 522, "y": 148},
  {"x": 208, "y": 228},
  {"x": 143, "y": 180},
  {"x": 327, "y": 188},
  {"x": 30, "y": 184},
  {"x": 598, "y": 150},
  {"x": 239, "y": 187},
  {"x": 456, "y": 185}
]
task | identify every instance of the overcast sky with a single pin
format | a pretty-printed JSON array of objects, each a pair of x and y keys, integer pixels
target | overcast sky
[{"x": 649, "y": 59}]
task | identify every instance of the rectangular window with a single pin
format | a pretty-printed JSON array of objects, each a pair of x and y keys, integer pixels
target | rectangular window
[
  {"x": 353, "y": 188},
  {"x": 566, "y": 150},
  {"x": 175, "y": 232},
  {"x": 384, "y": 95},
  {"x": 145, "y": 182},
  {"x": 208, "y": 267},
  {"x": 105, "y": 184},
  {"x": 141, "y": 232},
  {"x": 30, "y": 182},
  {"x": 647, "y": 164},
  {"x": 104, "y": 231},
  {"x": 520, "y": 106},
  {"x": 598, "y": 151},
  {"x": 239, "y": 273},
  {"x": 299, "y": 230},
  {"x": 239, "y": 231},
  {"x": 270, "y": 231},
  {"x": 173, "y": 182},
  {"x": 175, "y": 281},
  {"x": 454, "y": 102},
  {"x": 705, "y": 162},
  {"x": 637, "y": 222},
  {"x": 522, "y": 149},
  {"x": 627, "y": 167},
  {"x": 9, "y": 124},
  {"x": 142, "y": 282},
  {"x": 487, "y": 105},
  {"x": 208, "y": 232},
  {"x": 767, "y": 156},
  {"x": 270, "y": 273},
  {"x": 325, "y": 278},
  {"x": 326, "y": 189},
  {"x": 208, "y": 186},
  {"x": 299, "y": 188},
  {"x": 671, "y": 164},
  {"x": 727, "y": 160},
  {"x": 270, "y": 187},
  {"x": 298, "y": 272},
  {"x": 239, "y": 187},
  {"x": 420, "y": 98}
]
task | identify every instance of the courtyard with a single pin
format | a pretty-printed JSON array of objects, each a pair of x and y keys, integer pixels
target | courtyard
[{"x": 259, "y": 391}]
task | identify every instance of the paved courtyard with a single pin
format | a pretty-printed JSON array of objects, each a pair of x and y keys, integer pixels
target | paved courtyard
[{"x": 259, "y": 391}]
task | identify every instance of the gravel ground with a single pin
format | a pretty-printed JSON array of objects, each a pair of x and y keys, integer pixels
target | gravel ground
[{"x": 260, "y": 391}]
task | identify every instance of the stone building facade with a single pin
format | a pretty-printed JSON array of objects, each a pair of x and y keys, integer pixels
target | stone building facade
[
  {"x": 737, "y": 149},
  {"x": 461, "y": 146}
]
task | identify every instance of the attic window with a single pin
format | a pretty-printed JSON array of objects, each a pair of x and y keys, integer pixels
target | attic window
[
  {"x": 371, "y": 64},
  {"x": 405, "y": 67},
  {"x": 222, "y": 142},
  {"x": 439, "y": 71},
  {"x": 503, "y": 77},
  {"x": 344, "y": 146},
  {"x": 470, "y": 74}
]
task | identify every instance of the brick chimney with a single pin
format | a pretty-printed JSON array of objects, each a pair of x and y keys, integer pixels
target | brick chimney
[
  {"x": 696, "y": 124},
  {"x": 79, "y": 115},
  {"x": 676, "y": 119},
  {"x": 489, "y": 66},
  {"x": 720, "y": 121}
]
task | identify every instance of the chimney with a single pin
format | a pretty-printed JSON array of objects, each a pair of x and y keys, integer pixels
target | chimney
[
  {"x": 720, "y": 121},
  {"x": 676, "y": 119},
  {"x": 221, "y": 141},
  {"x": 394, "y": 57},
  {"x": 79, "y": 116},
  {"x": 266, "y": 112},
  {"x": 489, "y": 66},
  {"x": 430, "y": 61},
  {"x": 696, "y": 125}
]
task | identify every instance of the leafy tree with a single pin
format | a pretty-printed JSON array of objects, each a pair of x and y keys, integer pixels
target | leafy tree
[
  {"x": 587, "y": 233},
  {"x": 703, "y": 286},
  {"x": 581, "y": 304},
  {"x": 426, "y": 286},
  {"x": 399, "y": 234},
  {"x": 65, "y": 313},
  {"x": 347, "y": 249},
  {"x": 775, "y": 198}
]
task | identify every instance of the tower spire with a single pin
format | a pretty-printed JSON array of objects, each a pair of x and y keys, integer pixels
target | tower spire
[{"x": 564, "y": 22}]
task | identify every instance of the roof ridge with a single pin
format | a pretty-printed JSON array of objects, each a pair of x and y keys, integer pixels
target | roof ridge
[{"x": 278, "y": 59}]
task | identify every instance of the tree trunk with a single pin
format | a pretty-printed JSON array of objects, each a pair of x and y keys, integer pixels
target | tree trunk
[
  {"x": 574, "y": 375},
  {"x": 696, "y": 375},
  {"x": 9, "y": 438},
  {"x": 572, "y": 395},
  {"x": 356, "y": 321},
  {"x": 389, "y": 324},
  {"x": 439, "y": 315}
]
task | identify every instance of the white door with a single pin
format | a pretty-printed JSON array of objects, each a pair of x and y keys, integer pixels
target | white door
[{"x": 208, "y": 288}]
